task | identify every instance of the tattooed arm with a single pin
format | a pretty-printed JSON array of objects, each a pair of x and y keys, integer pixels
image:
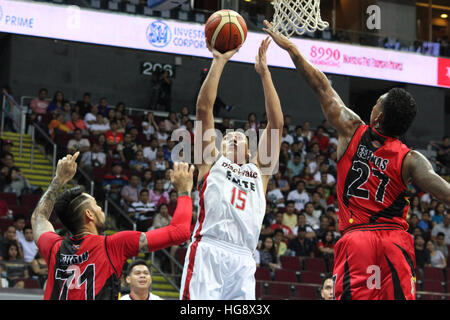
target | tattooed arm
[{"x": 65, "y": 171}]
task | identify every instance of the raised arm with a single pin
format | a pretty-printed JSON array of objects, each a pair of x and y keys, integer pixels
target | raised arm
[
  {"x": 178, "y": 231},
  {"x": 268, "y": 152},
  {"x": 344, "y": 120},
  {"x": 418, "y": 170},
  {"x": 65, "y": 171},
  {"x": 205, "y": 105}
]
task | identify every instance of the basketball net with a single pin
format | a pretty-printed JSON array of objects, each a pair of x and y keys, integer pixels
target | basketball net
[{"x": 297, "y": 16}]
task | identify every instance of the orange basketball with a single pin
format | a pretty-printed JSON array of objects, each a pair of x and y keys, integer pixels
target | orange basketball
[{"x": 225, "y": 30}]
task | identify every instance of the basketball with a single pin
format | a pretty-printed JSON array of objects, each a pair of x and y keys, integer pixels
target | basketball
[{"x": 225, "y": 30}]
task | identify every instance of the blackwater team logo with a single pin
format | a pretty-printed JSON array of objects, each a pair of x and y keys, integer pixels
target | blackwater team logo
[{"x": 159, "y": 34}]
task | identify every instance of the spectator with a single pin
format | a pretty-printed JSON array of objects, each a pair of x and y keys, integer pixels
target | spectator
[
  {"x": 438, "y": 213},
  {"x": 279, "y": 242},
  {"x": 321, "y": 139},
  {"x": 158, "y": 195},
  {"x": 111, "y": 116},
  {"x": 162, "y": 135},
  {"x": 4, "y": 283},
  {"x": 113, "y": 137},
  {"x": 93, "y": 158},
  {"x": 289, "y": 217},
  {"x": 311, "y": 215},
  {"x": 425, "y": 222},
  {"x": 101, "y": 139},
  {"x": 103, "y": 108},
  {"x": 142, "y": 211},
  {"x": 160, "y": 164},
  {"x": 149, "y": 126},
  {"x": 437, "y": 259},
  {"x": 299, "y": 196},
  {"x": 150, "y": 151},
  {"x": 15, "y": 267},
  {"x": 443, "y": 227},
  {"x": 324, "y": 227},
  {"x": 78, "y": 143},
  {"x": 282, "y": 182},
  {"x": 301, "y": 245},
  {"x": 76, "y": 123},
  {"x": 165, "y": 94},
  {"x": 139, "y": 165},
  {"x": 57, "y": 124},
  {"x": 422, "y": 255},
  {"x": 19, "y": 224},
  {"x": 84, "y": 105},
  {"x": 285, "y": 136},
  {"x": 278, "y": 224},
  {"x": 327, "y": 289},
  {"x": 127, "y": 149},
  {"x": 115, "y": 181},
  {"x": 9, "y": 236},
  {"x": 268, "y": 255},
  {"x": 91, "y": 117},
  {"x": 100, "y": 126},
  {"x": 17, "y": 183},
  {"x": 323, "y": 169},
  {"x": 7, "y": 160},
  {"x": 29, "y": 247},
  {"x": 130, "y": 192},
  {"x": 39, "y": 268},
  {"x": 275, "y": 197},
  {"x": 167, "y": 183},
  {"x": 307, "y": 133},
  {"x": 326, "y": 246},
  {"x": 66, "y": 111},
  {"x": 301, "y": 223},
  {"x": 172, "y": 205},
  {"x": 319, "y": 203},
  {"x": 139, "y": 279},
  {"x": 440, "y": 244},
  {"x": 57, "y": 103},
  {"x": 443, "y": 154},
  {"x": 172, "y": 123},
  {"x": 39, "y": 105},
  {"x": 147, "y": 179},
  {"x": 162, "y": 218},
  {"x": 295, "y": 165}
]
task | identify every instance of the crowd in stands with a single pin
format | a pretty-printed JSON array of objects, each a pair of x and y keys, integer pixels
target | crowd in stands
[{"x": 129, "y": 158}]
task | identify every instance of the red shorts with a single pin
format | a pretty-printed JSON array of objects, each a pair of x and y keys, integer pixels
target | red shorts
[{"x": 375, "y": 265}]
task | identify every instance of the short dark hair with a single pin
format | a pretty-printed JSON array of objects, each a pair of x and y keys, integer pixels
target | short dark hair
[
  {"x": 68, "y": 208},
  {"x": 400, "y": 110},
  {"x": 440, "y": 234},
  {"x": 135, "y": 263},
  {"x": 143, "y": 191}
]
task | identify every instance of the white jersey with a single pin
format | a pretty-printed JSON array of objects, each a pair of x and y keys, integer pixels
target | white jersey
[{"x": 232, "y": 204}]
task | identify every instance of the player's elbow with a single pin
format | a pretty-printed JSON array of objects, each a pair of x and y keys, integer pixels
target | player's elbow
[{"x": 181, "y": 234}]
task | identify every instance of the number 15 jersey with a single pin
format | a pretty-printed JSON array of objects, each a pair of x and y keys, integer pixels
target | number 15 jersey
[
  {"x": 370, "y": 188},
  {"x": 232, "y": 204}
]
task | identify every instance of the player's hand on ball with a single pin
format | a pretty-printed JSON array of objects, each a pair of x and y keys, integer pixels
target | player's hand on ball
[
  {"x": 182, "y": 177},
  {"x": 225, "y": 57},
  {"x": 261, "y": 60},
  {"x": 280, "y": 39},
  {"x": 67, "y": 168}
]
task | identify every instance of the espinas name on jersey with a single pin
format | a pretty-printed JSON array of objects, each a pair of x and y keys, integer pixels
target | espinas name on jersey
[
  {"x": 365, "y": 154},
  {"x": 245, "y": 173},
  {"x": 69, "y": 259}
]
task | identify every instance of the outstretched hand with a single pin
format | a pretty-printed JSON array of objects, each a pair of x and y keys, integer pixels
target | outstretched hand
[
  {"x": 67, "y": 168},
  {"x": 261, "y": 59},
  {"x": 182, "y": 177},
  {"x": 225, "y": 57},
  {"x": 280, "y": 39}
]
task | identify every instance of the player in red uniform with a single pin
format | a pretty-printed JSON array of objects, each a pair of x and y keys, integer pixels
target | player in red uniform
[
  {"x": 374, "y": 259},
  {"x": 88, "y": 266}
]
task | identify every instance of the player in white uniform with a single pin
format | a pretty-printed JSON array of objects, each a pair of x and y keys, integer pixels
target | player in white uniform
[{"x": 219, "y": 263}]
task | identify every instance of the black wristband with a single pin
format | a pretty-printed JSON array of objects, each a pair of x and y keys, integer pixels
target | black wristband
[{"x": 184, "y": 194}]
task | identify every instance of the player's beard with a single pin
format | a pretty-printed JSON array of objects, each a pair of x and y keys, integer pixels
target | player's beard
[{"x": 101, "y": 226}]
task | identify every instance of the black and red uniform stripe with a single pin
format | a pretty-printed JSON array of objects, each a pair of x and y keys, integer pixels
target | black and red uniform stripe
[{"x": 373, "y": 206}]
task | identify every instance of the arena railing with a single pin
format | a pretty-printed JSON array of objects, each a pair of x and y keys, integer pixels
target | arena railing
[
  {"x": 17, "y": 115},
  {"x": 34, "y": 128}
]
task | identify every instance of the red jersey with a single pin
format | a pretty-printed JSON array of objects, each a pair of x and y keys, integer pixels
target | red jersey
[
  {"x": 88, "y": 268},
  {"x": 370, "y": 188}
]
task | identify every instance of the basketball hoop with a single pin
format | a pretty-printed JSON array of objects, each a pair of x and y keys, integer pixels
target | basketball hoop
[{"x": 297, "y": 16}]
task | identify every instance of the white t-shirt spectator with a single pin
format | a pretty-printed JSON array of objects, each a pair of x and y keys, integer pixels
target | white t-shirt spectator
[
  {"x": 441, "y": 228},
  {"x": 77, "y": 145},
  {"x": 29, "y": 250},
  {"x": 288, "y": 138},
  {"x": 89, "y": 117},
  {"x": 318, "y": 178},
  {"x": 307, "y": 227},
  {"x": 274, "y": 196},
  {"x": 313, "y": 220},
  {"x": 149, "y": 154},
  {"x": 147, "y": 129},
  {"x": 300, "y": 199},
  {"x": 88, "y": 158},
  {"x": 436, "y": 260},
  {"x": 99, "y": 127},
  {"x": 151, "y": 296}
]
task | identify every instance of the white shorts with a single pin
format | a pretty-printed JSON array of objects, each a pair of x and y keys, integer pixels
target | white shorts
[{"x": 217, "y": 270}]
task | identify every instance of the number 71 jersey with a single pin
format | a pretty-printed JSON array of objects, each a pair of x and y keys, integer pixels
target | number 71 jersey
[
  {"x": 370, "y": 188},
  {"x": 232, "y": 204}
]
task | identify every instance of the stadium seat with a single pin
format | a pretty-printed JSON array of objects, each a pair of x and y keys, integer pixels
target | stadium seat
[
  {"x": 259, "y": 290},
  {"x": 431, "y": 297},
  {"x": 263, "y": 274},
  {"x": 433, "y": 286},
  {"x": 99, "y": 174},
  {"x": 5, "y": 223},
  {"x": 419, "y": 274},
  {"x": 285, "y": 275},
  {"x": 291, "y": 263},
  {"x": 271, "y": 298},
  {"x": 311, "y": 277},
  {"x": 430, "y": 273},
  {"x": 303, "y": 292},
  {"x": 181, "y": 255},
  {"x": 30, "y": 200},
  {"x": 10, "y": 198},
  {"x": 21, "y": 211},
  {"x": 31, "y": 284},
  {"x": 314, "y": 264},
  {"x": 280, "y": 290}
]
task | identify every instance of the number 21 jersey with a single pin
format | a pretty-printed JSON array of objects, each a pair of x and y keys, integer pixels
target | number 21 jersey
[{"x": 370, "y": 188}]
